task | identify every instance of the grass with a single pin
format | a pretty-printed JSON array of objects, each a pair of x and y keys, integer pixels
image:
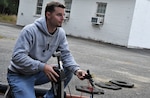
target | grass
[
  {"x": 8, "y": 18},
  {"x": 1, "y": 37}
]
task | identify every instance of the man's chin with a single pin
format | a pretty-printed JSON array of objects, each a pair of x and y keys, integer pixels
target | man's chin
[{"x": 59, "y": 26}]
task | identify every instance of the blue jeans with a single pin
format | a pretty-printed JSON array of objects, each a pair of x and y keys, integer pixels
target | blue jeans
[{"x": 23, "y": 85}]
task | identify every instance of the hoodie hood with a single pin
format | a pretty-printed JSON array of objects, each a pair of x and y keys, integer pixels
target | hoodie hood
[{"x": 42, "y": 26}]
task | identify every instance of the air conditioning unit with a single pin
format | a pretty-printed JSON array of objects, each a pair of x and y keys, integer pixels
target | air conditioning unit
[
  {"x": 97, "y": 20},
  {"x": 67, "y": 15}
]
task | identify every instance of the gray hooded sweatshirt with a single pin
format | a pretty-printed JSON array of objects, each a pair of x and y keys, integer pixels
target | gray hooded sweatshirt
[{"x": 35, "y": 46}]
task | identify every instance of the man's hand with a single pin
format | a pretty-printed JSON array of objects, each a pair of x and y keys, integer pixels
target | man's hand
[
  {"x": 81, "y": 74},
  {"x": 49, "y": 71}
]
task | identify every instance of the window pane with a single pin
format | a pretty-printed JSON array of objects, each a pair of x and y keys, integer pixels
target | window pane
[
  {"x": 39, "y": 7},
  {"x": 38, "y": 10},
  {"x": 68, "y": 5},
  {"x": 101, "y": 8}
]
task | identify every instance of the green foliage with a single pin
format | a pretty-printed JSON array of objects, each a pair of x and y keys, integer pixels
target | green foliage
[
  {"x": 13, "y": 6},
  {"x": 9, "y": 6},
  {"x": 1, "y": 37},
  {"x": 4, "y": 3}
]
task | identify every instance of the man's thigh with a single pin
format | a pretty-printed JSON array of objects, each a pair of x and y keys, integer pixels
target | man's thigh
[
  {"x": 22, "y": 85},
  {"x": 41, "y": 78}
]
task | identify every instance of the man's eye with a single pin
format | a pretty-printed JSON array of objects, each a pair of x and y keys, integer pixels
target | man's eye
[{"x": 59, "y": 14}]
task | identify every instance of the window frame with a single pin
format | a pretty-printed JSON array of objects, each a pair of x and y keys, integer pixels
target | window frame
[
  {"x": 67, "y": 4},
  {"x": 101, "y": 9},
  {"x": 39, "y": 7}
]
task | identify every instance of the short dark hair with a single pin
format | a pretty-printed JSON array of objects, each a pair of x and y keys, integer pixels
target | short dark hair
[{"x": 50, "y": 7}]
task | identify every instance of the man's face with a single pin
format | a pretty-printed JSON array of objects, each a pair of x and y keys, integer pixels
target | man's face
[{"x": 56, "y": 18}]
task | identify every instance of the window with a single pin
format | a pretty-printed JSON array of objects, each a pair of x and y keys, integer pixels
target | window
[
  {"x": 39, "y": 7},
  {"x": 101, "y": 8},
  {"x": 68, "y": 5},
  {"x": 68, "y": 8}
]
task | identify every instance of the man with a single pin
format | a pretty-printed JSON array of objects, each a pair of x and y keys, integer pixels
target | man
[{"x": 34, "y": 47}]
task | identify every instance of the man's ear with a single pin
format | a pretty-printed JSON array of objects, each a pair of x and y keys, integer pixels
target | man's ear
[{"x": 48, "y": 14}]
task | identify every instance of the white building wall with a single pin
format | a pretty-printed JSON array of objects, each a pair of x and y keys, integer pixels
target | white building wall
[
  {"x": 116, "y": 26},
  {"x": 140, "y": 29},
  {"x": 27, "y": 11}
]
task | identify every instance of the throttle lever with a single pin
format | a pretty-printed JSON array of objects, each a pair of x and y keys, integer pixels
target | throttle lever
[{"x": 89, "y": 77}]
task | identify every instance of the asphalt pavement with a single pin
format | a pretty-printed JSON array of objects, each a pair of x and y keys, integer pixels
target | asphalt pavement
[{"x": 105, "y": 61}]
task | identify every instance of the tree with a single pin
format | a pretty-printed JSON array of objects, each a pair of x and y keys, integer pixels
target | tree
[
  {"x": 9, "y": 6},
  {"x": 13, "y": 6},
  {"x": 3, "y": 5}
]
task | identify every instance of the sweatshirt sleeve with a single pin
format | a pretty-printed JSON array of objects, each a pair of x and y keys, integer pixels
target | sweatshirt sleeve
[
  {"x": 20, "y": 57},
  {"x": 67, "y": 58}
]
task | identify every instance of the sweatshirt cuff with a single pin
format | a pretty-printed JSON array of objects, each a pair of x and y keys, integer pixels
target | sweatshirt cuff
[
  {"x": 75, "y": 70},
  {"x": 41, "y": 66}
]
